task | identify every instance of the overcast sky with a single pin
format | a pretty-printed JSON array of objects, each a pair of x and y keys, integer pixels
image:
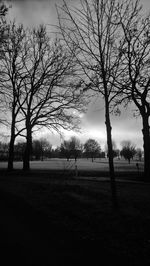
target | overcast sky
[{"x": 125, "y": 127}]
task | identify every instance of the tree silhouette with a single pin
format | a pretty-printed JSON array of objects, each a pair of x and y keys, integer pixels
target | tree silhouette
[
  {"x": 11, "y": 82},
  {"x": 3, "y": 38},
  {"x": 92, "y": 36},
  {"x": 40, "y": 90},
  {"x": 128, "y": 150},
  {"x": 41, "y": 148},
  {"x": 139, "y": 153},
  {"x": 51, "y": 97},
  {"x": 65, "y": 149},
  {"x": 135, "y": 79},
  {"x": 71, "y": 147},
  {"x": 92, "y": 148}
]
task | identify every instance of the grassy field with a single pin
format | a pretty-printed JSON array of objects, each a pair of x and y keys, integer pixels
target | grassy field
[
  {"x": 82, "y": 165},
  {"x": 53, "y": 219}
]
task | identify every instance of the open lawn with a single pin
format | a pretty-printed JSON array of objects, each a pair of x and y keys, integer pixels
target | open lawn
[
  {"x": 50, "y": 219},
  {"x": 82, "y": 165}
]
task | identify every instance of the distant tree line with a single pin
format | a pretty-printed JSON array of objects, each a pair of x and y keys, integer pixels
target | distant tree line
[{"x": 70, "y": 149}]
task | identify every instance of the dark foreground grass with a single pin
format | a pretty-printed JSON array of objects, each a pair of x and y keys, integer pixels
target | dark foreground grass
[{"x": 51, "y": 220}]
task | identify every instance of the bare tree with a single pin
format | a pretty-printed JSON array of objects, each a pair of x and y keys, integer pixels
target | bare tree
[
  {"x": 92, "y": 148},
  {"x": 139, "y": 153},
  {"x": 3, "y": 25},
  {"x": 92, "y": 36},
  {"x": 3, "y": 151},
  {"x": 11, "y": 82},
  {"x": 3, "y": 38},
  {"x": 114, "y": 147},
  {"x": 65, "y": 149},
  {"x": 51, "y": 96},
  {"x": 71, "y": 147},
  {"x": 135, "y": 52},
  {"x": 41, "y": 148},
  {"x": 128, "y": 150},
  {"x": 76, "y": 147}
]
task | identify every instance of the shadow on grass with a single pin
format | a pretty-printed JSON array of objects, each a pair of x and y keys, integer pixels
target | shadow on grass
[{"x": 49, "y": 219}]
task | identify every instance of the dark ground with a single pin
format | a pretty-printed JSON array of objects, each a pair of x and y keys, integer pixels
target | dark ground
[{"x": 48, "y": 219}]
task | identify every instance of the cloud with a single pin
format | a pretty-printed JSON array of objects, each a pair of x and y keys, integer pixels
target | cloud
[
  {"x": 124, "y": 127},
  {"x": 34, "y": 12}
]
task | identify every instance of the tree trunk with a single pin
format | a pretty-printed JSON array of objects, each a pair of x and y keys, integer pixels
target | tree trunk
[
  {"x": 11, "y": 154},
  {"x": 11, "y": 144},
  {"x": 110, "y": 155},
  {"x": 146, "y": 146},
  {"x": 28, "y": 149}
]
